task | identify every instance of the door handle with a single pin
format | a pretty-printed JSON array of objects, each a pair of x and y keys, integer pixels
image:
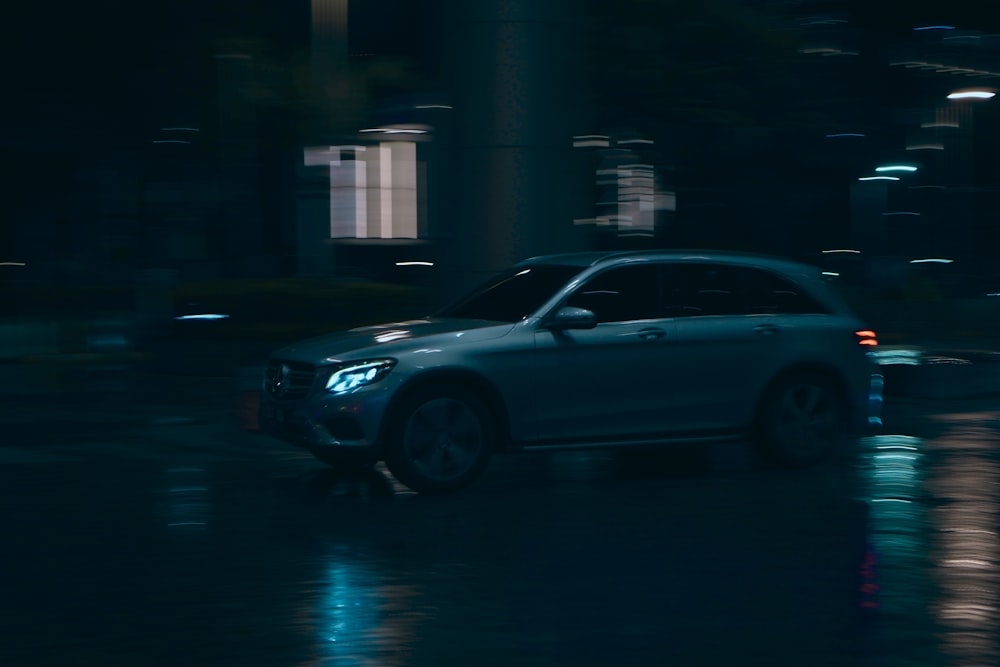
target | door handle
[
  {"x": 652, "y": 333},
  {"x": 767, "y": 329}
]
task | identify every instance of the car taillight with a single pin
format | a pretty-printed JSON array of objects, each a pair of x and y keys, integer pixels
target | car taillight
[{"x": 866, "y": 337}]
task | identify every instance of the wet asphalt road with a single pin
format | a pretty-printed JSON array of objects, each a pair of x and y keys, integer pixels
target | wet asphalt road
[{"x": 142, "y": 527}]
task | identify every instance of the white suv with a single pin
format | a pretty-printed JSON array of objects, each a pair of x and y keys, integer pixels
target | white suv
[{"x": 590, "y": 349}]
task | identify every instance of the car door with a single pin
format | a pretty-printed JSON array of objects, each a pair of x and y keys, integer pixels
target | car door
[
  {"x": 730, "y": 341},
  {"x": 606, "y": 382}
]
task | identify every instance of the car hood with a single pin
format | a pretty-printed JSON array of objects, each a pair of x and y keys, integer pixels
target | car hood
[{"x": 390, "y": 339}]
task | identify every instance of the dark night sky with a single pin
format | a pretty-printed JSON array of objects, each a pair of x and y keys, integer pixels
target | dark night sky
[
  {"x": 92, "y": 54},
  {"x": 114, "y": 69},
  {"x": 103, "y": 57},
  {"x": 113, "y": 62}
]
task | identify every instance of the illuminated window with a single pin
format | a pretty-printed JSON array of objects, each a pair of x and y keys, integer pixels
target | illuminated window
[{"x": 373, "y": 189}]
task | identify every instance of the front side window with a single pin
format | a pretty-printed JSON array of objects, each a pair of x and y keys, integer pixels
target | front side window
[
  {"x": 621, "y": 294},
  {"x": 514, "y": 294}
]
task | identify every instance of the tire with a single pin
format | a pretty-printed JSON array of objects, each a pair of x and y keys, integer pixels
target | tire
[
  {"x": 439, "y": 440},
  {"x": 801, "y": 420}
]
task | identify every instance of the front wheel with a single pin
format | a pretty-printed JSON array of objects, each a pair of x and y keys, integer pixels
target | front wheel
[
  {"x": 439, "y": 440},
  {"x": 801, "y": 420}
]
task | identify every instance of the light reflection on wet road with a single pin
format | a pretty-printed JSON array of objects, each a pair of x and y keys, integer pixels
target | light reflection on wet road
[
  {"x": 121, "y": 553},
  {"x": 934, "y": 521}
]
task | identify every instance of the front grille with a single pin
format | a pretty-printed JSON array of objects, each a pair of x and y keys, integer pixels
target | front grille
[{"x": 288, "y": 380}]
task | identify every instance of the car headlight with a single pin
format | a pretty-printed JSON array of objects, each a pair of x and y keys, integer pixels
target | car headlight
[{"x": 358, "y": 374}]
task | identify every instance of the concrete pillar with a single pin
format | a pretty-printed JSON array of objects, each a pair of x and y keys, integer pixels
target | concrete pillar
[
  {"x": 330, "y": 117},
  {"x": 512, "y": 152},
  {"x": 238, "y": 164}
]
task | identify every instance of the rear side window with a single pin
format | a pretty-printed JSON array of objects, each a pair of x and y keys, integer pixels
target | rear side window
[
  {"x": 700, "y": 289},
  {"x": 770, "y": 293}
]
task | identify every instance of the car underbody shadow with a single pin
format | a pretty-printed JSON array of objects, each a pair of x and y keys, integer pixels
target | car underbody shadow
[
  {"x": 674, "y": 461},
  {"x": 326, "y": 484}
]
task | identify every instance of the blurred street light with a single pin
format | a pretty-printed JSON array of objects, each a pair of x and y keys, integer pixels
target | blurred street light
[
  {"x": 972, "y": 94},
  {"x": 396, "y": 130}
]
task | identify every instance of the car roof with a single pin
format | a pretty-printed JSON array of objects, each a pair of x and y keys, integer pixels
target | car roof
[{"x": 595, "y": 258}]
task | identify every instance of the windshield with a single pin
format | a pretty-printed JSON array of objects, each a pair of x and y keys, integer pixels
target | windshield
[{"x": 512, "y": 295}]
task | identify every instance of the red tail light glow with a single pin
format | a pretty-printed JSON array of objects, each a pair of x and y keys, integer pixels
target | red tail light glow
[{"x": 866, "y": 337}]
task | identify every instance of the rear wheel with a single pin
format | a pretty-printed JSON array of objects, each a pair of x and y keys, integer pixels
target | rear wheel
[
  {"x": 801, "y": 420},
  {"x": 439, "y": 440}
]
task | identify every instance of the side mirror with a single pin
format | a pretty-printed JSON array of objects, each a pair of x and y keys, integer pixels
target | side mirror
[{"x": 569, "y": 317}]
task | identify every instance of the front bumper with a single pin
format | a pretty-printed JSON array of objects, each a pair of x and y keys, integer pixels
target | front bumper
[{"x": 322, "y": 425}]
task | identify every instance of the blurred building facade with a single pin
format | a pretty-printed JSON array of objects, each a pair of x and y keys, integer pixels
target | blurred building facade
[
  {"x": 328, "y": 157},
  {"x": 920, "y": 184}
]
